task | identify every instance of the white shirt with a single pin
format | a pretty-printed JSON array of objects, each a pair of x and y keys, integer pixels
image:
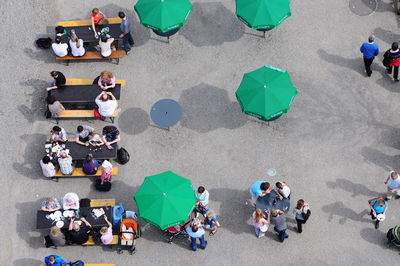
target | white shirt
[
  {"x": 106, "y": 108},
  {"x": 285, "y": 191},
  {"x": 75, "y": 50},
  {"x": 105, "y": 48},
  {"x": 392, "y": 184},
  {"x": 60, "y": 50},
  {"x": 48, "y": 169},
  {"x": 75, "y": 201}
]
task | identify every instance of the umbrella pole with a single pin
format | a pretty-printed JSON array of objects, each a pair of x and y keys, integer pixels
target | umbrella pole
[
  {"x": 265, "y": 35},
  {"x": 168, "y": 39}
]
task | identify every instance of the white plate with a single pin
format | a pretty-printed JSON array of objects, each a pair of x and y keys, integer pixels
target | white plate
[
  {"x": 67, "y": 214},
  {"x": 57, "y": 214},
  {"x": 60, "y": 224}
]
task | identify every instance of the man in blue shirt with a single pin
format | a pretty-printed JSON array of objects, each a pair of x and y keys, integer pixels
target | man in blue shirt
[
  {"x": 259, "y": 189},
  {"x": 54, "y": 260},
  {"x": 125, "y": 32},
  {"x": 369, "y": 50}
]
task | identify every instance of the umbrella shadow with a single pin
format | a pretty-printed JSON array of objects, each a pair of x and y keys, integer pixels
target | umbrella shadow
[
  {"x": 387, "y": 162},
  {"x": 33, "y": 153},
  {"x": 233, "y": 214},
  {"x": 35, "y": 111},
  {"x": 206, "y": 108},
  {"x": 338, "y": 209},
  {"x": 355, "y": 64},
  {"x": 26, "y": 223},
  {"x": 133, "y": 121},
  {"x": 387, "y": 36},
  {"x": 25, "y": 262},
  {"x": 354, "y": 188},
  {"x": 212, "y": 24}
]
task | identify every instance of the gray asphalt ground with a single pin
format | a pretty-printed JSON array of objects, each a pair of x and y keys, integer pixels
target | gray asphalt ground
[{"x": 334, "y": 147}]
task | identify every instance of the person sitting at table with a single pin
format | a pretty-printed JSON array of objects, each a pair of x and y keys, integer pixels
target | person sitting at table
[
  {"x": 59, "y": 81},
  {"x": 105, "y": 45},
  {"x": 282, "y": 190},
  {"x": 54, "y": 260},
  {"x": 106, "y": 232},
  {"x": 51, "y": 204},
  {"x": 98, "y": 18},
  {"x": 106, "y": 80},
  {"x": 90, "y": 165},
  {"x": 83, "y": 134},
  {"x": 77, "y": 47},
  {"x": 48, "y": 168},
  {"x": 58, "y": 134},
  {"x": 78, "y": 232},
  {"x": 110, "y": 136},
  {"x": 54, "y": 106},
  {"x": 57, "y": 236},
  {"x": 70, "y": 201},
  {"x": 202, "y": 196},
  {"x": 259, "y": 189},
  {"x": 65, "y": 163},
  {"x": 106, "y": 105},
  {"x": 59, "y": 48},
  {"x": 278, "y": 218}
]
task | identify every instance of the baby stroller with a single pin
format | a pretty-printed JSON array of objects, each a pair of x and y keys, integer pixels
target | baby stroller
[
  {"x": 178, "y": 230},
  {"x": 128, "y": 233},
  {"x": 393, "y": 236}
]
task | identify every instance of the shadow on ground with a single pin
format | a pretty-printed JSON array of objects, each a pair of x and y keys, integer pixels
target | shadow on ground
[
  {"x": 387, "y": 162},
  {"x": 375, "y": 237},
  {"x": 26, "y": 262},
  {"x": 36, "y": 94},
  {"x": 26, "y": 224},
  {"x": 338, "y": 209},
  {"x": 354, "y": 188},
  {"x": 133, "y": 121},
  {"x": 206, "y": 108},
  {"x": 355, "y": 64},
  {"x": 212, "y": 24}
]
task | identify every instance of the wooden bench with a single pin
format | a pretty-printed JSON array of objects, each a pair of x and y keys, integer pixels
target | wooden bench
[
  {"x": 90, "y": 264},
  {"x": 101, "y": 202},
  {"x": 79, "y": 172},
  {"x": 71, "y": 82},
  {"x": 94, "y": 55},
  {"x": 86, "y": 22},
  {"x": 90, "y": 242},
  {"x": 82, "y": 114}
]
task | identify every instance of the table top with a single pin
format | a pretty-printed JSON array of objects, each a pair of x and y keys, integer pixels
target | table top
[
  {"x": 267, "y": 203},
  {"x": 82, "y": 93},
  {"x": 166, "y": 113},
  {"x": 86, "y": 32},
  {"x": 79, "y": 152},
  {"x": 45, "y": 222}
]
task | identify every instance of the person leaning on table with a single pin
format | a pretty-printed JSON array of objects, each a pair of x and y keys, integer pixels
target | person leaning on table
[
  {"x": 111, "y": 135},
  {"x": 54, "y": 260},
  {"x": 51, "y": 204},
  {"x": 83, "y": 134},
  {"x": 79, "y": 233},
  {"x": 48, "y": 168},
  {"x": 58, "y": 134},
  {"x": 107, "y": 103},
  {"x": 65, "y": 164}
]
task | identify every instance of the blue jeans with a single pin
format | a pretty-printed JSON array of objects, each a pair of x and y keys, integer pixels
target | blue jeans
[
  {"x": 128, "y": 42},
  {"x": 282, "y": 234},
  {"x": 203, "y": 243},
  {"x": 258, "y": 231}
]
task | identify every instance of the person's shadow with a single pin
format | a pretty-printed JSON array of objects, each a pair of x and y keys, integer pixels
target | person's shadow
[
  {"x": 27, "y": 262},
  {"x": 354, "y": 188},
  {"x": 354, "y": 64},
  {"x": 339, "y": 209}
]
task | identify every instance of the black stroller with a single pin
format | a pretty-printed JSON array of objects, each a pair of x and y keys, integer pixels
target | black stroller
[{"x": 393, "y": 236}]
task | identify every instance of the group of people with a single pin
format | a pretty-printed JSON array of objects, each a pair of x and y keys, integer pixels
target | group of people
[
  {"x": 62, "y": 46},
  {"x": 85, "y": 135},
  {"x": 79, "y": 228},
  {"x": 106, "y": 102},
  {"x": 261, "y": 219}
]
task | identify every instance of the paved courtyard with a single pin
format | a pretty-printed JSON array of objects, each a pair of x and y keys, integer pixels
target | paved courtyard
[{"x": 334, "y": 147}]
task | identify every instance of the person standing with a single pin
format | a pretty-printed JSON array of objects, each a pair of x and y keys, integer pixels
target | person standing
[
  {"x": 302, "y": 213},
  {"x": 369, "y": 50},
  {"x": 259, "y": 189},
  {"x": 279, "y": 220},
  {"x": 260, "y": 222},
  {"x": 126, "y": 32},
  {"x": 282, "y": 190},
  {"x": 378, "y": 210},
  {"x": 393, "y": 185},
  {"x": 394, "y": 61},
  {"x": 196, "y": 232},
  {"x": 97, "y": 18},
  {"x": 202, "y": 197}
]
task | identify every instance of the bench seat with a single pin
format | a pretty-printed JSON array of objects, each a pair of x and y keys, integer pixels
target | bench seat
[
  {"x": 86, "y": 22},
  {"x": 102, "y": 202},
  {"x": 83, "y": 114},
  {"x": 79, "y": 172},
  {"x": 93, "y": 55},
  {"x": 91, "y": 264},
  {"x": 71, "y": 82}
]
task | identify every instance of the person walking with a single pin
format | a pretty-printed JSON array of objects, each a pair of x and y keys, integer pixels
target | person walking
[
  {"x": 278, "y": 218},
  {"x": 126, "y": 36},
  {"x": 378, "y": 210},
  {"x": 302, "y": 213},
  {"x": 393, "y": 185},
  {"x": 369, "y": 50},
  {"x": 394, "y": 61},
  {"x": 260, "y": 222}
]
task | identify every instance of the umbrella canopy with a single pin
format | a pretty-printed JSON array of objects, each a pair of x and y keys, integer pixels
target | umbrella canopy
[
  {"x": 266, "y": 92},
  {"x": 262, "y": 14},
  {"x": 163, "y": 15},
  {"x": 165, "y": 200}
]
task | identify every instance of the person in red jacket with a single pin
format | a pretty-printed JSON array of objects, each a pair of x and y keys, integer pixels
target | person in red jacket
[{"x": 394, "y": 57}]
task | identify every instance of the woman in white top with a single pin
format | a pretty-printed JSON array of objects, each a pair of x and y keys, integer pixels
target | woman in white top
[
  {"x": 60, "y": 49},
  {"x": 105, "y": 45},
  {"x": 76, "y": 45}
]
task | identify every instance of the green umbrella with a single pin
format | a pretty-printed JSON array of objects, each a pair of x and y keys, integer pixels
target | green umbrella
[
  {"x": 266, "y": 92},
  {"x": 165, "y": 200},
  {"x": 163, "y": 15},
  {"x": 262, "y": 14}
]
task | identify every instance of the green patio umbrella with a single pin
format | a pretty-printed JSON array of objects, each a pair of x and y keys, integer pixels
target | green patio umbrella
[
  {"x": 165, "y": 200},
  {"x": 262, "y": 14},
  {"x": 163, "y": 15},
  {"x": 266, "y": 92}
]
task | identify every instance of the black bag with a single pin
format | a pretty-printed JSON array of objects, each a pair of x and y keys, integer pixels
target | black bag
[
  {"x": 77, "y": 263},
  {"x": 48, "y": 242},
  {"x": 123, "y": 156},
  {"x": 97, "y": 238},
  {"x": 43, "y": 43},
  {"x": 84, "y": 203},
  {"x": 386, "y": 59},
  {"x": 47, "y": 113},
  {"x": 60, "y": 30},
  {"x": 106, "y": 186}
]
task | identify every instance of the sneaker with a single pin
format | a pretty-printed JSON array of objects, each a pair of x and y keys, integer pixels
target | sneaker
[
  {"x": 396, "y": 80},
  {"x": 261, "y": 235},
  {"x": 127, "y": 52}
]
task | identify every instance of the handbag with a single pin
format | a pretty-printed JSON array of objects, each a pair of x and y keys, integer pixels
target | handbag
[
  {"x": 264, "y": 228},
  {"x": 96, "y": 113},
  {"x": 386, "y": 58}
]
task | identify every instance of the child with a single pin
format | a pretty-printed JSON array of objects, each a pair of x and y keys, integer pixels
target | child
[{"x": 211, "y": 222}]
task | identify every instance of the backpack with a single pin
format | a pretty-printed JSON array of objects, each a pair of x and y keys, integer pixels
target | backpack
[
  {"x": 97, "y": 238},
  {"x": 77, "y": 263},
  {"x": 118, "y": 212},
  {"x": 123, "y": 156},
  {"x": 48, "y": 242},
  {"x": 84, "y": 203},
  {"x": 386, "y": 59},
  {"x": 44, "y": 43},
  {"x": 106, "y": 186}
]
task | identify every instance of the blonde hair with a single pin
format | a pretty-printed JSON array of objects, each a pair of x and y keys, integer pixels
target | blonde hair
[
  {"x": 259, "y": 215},
  {"x": 55, "y": 231},
  {"x": 75, "y": 39},
  {"x": 106, "y": 75},
  {"x": 211, "y": 214}
]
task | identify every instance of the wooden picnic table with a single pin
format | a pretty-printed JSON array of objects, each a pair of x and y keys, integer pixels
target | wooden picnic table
[{"x": 82, "y": 93}]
